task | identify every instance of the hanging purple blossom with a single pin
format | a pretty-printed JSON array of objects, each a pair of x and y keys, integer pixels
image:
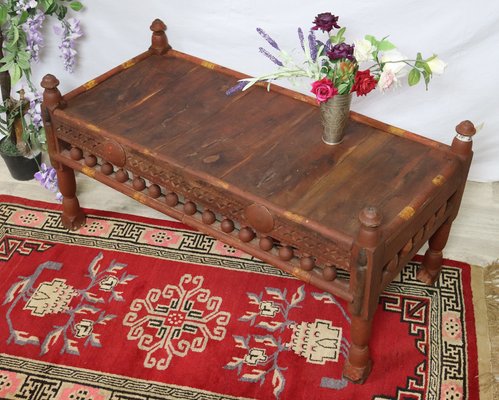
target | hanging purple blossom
[
  {"x": 47, "y": 177},
  {"x": 270, "y": 41},
  {"x": 69, "y": 31},
  {"x": 312, "y": 42},
  {"x": 271, "y": 57},
  {"x": 302, "y": 39},
  {"x": 340, "y": 51},
  {"x": 35, "y": 107},
  {"x": 34, "y": 38},
  {"x": 236, "y": 88}
]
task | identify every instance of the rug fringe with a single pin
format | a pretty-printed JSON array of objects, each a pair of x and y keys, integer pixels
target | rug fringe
[{"x": 491, "y": 284}]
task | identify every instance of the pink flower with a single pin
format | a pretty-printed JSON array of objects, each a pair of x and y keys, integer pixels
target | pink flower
[
  {"x": 386, "y": 80},
  {"x": 324, "y": 90}
]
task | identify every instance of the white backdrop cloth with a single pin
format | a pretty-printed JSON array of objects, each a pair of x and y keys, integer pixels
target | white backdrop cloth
[{"x": 463, "y": 33}]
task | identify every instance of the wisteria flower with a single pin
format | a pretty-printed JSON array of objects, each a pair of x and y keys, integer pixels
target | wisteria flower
[
  {"x": 47, "y": 177},
  {"x": 69, "y": 31},
  {"x": 35, "y": 106},
  {"x": 34, "y": 38}
]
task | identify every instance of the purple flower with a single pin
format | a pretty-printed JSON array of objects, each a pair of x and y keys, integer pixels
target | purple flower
[
  {"x": 340, "y": 51},
  {"x": 34, "y": 38},
  {"x": 302, "y": 38},
  {"x": 69, "y": 30},
  {"x": 35, "y": 107},
  {"x": 312, "y": 42},
  {"x": 236, "y": 88},
  {"x": 270, "y": 41},
  {"x": 326, "y": 22},
  {"x": 271, "y": 57},
  {"x": 47, "y": 177}
]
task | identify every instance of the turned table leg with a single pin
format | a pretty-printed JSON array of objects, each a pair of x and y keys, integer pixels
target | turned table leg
[
  {"x": 358, "y": 365},
  {"x": 72, "y": 215},
  {"x": 432, "y": 262},
  {"x": 365, "y": 281}
]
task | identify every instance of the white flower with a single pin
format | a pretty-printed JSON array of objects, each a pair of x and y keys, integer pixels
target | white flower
[
  {"x": 363, "y": 50},
  {"x": 437, "y": 66},
  {"x": 393, "y": 61},
  {"x": 387, "y": 79}
]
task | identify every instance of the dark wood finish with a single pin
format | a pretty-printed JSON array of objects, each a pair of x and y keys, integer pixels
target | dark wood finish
[{"x": 252, "y": 170}]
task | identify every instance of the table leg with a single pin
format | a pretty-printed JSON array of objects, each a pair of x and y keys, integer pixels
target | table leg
[
  {"x": 358, "y": 365},
  {"x": 432, "y": 262},
  {"x": 72, "y": 215}
]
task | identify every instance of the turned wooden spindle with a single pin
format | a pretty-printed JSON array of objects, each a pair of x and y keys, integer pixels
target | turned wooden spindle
[
  {"x": 159, "y": 41},
  {"x": 227, "y": 225},
  {"x": 154, "y": 191},
  {"x": 208, "y": 217},
  {"x": 190, "y": 208},
  {"x": 121, "y": 176},
  {"x": 171, "y": 199},
  {"x": 107, "y": 168}
]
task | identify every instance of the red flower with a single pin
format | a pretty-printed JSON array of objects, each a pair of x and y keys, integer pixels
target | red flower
[
  {"x": 364, "y": 82},
  {"x": 324, "y": 90}
]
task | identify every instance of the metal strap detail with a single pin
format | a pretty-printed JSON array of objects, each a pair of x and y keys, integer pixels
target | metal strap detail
[{"x": 464, "y": 138}]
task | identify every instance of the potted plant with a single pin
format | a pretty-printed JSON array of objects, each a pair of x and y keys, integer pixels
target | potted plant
[
  {"x": 338, "y": 69},
  {"x": 22, "y": 136}
]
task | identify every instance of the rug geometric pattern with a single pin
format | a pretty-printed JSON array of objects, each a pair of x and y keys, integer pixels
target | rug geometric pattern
[{"x": 134, "y": 308}]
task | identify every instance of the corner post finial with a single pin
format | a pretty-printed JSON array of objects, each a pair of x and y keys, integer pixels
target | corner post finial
[
  {"x": 52, "y": 97},
  {"x": 370, "y": 219},
  {"x": 159, "y": 41},
  {"x": 463, "y": 141}
]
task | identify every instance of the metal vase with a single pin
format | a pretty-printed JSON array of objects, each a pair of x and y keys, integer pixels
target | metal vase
[{"x": 334, "y": 115}]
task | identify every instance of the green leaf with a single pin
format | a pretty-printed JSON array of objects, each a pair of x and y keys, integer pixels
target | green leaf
[
  {"x": 385, "y": 45},
  {"x": 15, "y": 73},
  {"x": 414, "y": 77},
  {"x": 3, "y": 13},
  {"x": 372, "y": 39},
  {"x": 76, "y": 5},
  {"x": 7, "y": 66},
  {"x": 61, "y": 12}
]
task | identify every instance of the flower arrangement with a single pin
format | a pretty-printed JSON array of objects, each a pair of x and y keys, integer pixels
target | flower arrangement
[
  {"x": 21, "y": 40},
  {"x": 339, "y": 68}
]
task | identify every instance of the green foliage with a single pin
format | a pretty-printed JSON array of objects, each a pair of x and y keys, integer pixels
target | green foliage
[{"x": 16, "y": 61}]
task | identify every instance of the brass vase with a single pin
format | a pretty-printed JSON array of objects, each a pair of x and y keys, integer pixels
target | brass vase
[{"x": 334, "y": 115}]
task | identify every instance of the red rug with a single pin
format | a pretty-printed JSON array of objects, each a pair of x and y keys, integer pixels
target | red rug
[{"x": 135, "y": 308}]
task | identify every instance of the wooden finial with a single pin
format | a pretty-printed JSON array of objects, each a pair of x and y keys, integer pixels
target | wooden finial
[
  {"x": 462, "y": 143},
  {"x": 159, "y": 41},
  {"x": 370, "y": 219},
  {"x": 52, "y": 97}
]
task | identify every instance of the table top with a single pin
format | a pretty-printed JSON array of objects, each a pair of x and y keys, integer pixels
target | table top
[{"x": 265, "y": 144}]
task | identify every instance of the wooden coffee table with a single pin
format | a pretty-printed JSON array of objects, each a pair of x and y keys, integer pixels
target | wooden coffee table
[{"x": 252, "y": 171}]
